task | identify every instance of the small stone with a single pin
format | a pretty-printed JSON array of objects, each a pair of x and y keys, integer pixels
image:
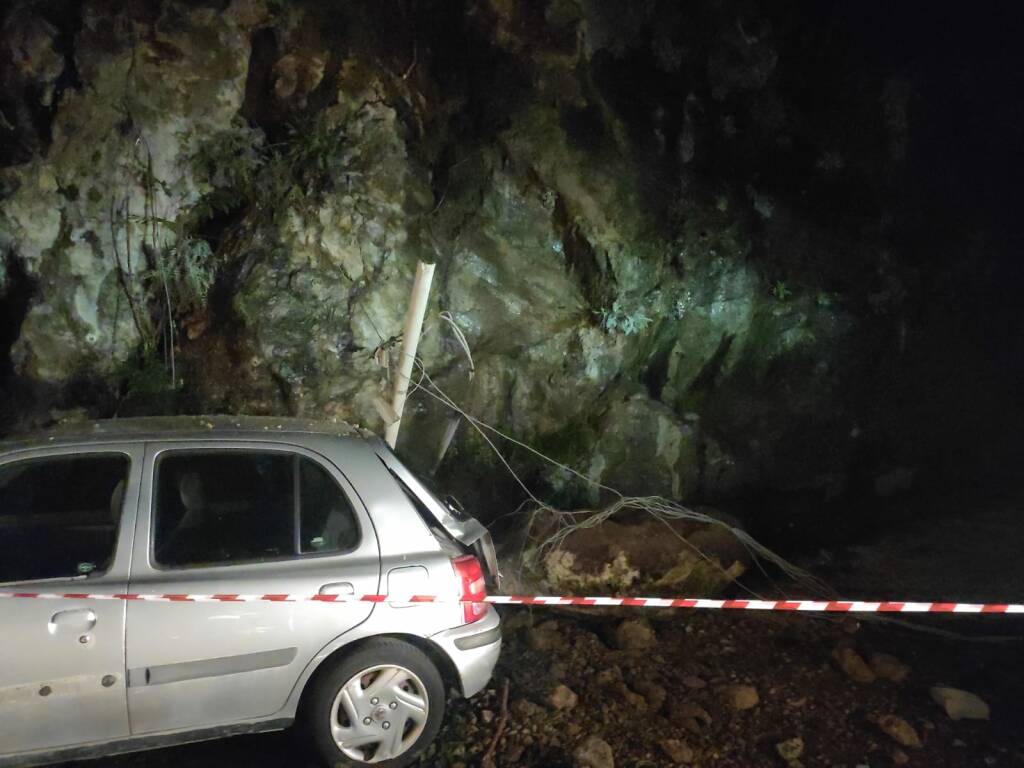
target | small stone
[
  {"x": 790, "y": 749},
  {"x": 889, "y": 667},
  {"x": 694, "y": 683},
  {"x": 635, "y": 635},
  {"x": 563, "y": 698},
  {"x": 960, "y": 705},
  {"x": 899, "y": 730},
  {"x": 634, "y": 700},
  {"x": 741, "y": 697},
  {"x": 691, "y": 716},
  {"x": 678, "y": 751},
  {"x": 853, "y": 665},
  {"x": 487, "y": 715},
  {"x": 653, "y": 694},
  {"x": 594, "y": 753},
  {"x": 899, "y": 757}
]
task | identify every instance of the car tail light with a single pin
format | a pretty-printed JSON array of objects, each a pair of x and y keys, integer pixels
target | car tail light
[{"x": 471, "y": 586}]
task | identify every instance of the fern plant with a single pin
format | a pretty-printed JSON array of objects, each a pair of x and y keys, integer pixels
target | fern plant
[
  {"x": 619, "y": 319},
  {"x": 192, "y": 266}
]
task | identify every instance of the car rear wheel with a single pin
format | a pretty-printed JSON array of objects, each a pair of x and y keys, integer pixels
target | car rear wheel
[{"x": 380, "y": 705}]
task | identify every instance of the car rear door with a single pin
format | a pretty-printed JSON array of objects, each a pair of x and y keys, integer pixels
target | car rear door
[
  {"x": 67, "y": 517},
  {"x": 239, "y": 518}
]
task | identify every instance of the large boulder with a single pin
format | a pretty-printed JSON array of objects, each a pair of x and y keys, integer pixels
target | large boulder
[{"x": 632, "y": 553}]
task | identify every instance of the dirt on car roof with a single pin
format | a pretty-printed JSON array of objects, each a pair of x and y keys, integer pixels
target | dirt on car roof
[{"x": 178, "y": 426}]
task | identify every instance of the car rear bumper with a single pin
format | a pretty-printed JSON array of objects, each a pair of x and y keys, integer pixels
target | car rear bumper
[{"x": 473, "y": 649}]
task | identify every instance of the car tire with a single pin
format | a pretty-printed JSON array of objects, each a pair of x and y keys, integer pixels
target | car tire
[{"x": 385, "y": 695}]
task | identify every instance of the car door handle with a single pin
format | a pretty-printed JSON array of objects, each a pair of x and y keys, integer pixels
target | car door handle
[
  {"x": 77, "y": 620},
  {"x": 338, "y": 588}
]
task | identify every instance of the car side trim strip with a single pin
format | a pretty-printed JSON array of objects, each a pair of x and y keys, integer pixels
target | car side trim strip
[{"x": 226, "y": 665}]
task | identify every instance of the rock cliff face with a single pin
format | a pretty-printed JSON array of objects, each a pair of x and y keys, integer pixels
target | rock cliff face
[{"x": 668, "y": 232}]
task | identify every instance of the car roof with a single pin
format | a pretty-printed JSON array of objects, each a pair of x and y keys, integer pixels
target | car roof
[{"x": 181, "y": 427}]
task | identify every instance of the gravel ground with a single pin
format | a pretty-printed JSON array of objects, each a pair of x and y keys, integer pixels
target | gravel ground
[
  {"x": 705, "y": 690},
  {"x": 625, "y": 688}
]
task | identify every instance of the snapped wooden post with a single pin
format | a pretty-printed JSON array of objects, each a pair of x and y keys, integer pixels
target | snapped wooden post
[{"x": 410, "y": 342}]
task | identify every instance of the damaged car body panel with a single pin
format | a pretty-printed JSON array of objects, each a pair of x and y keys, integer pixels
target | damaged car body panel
[
  {"x": 225, "y": 505},
  {"x": 466, "y": 530}
]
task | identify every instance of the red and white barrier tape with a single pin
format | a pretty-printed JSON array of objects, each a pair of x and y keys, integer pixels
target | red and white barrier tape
[{"x": 808, "y": 606}]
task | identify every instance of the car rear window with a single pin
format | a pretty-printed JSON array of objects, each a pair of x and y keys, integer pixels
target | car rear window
[
  {"x": 59, "y": 516},
  {"x": 225, "y": 507},
  {"x": 428, "y": 518}
]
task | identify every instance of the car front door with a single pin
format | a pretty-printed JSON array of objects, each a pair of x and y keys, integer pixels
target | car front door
[
  {"x": 67, "y": 517},
  {"x": 239, "y": 518}
]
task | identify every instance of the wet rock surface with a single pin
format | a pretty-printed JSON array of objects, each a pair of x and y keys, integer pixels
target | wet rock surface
[{"x": 680, "y": 289}]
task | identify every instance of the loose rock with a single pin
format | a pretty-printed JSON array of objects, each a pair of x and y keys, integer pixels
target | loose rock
[
  {"x": 594, "y": 753},
  {"x": 960, "y": 705},
  {"x": 790, "y": 749},
  {"x": 563, "y": 698},
  {"x": 678, "y": 751},
  {"x": 691, "y": 716},
  {"x": 634, "y": 700},
  {"x": 899, "y": 730},
  {"x": 853, "y": 665},
  {"x": 653, "y": 694},
  {"x": 693, "y": 682},
  {"x": 889, "y": 667},
  {"x": 741, "y": 697},
  {"x": 635, "y": 635}
]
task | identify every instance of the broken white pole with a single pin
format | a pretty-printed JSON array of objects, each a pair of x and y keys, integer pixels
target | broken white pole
[{"x": 410, "y": 342}]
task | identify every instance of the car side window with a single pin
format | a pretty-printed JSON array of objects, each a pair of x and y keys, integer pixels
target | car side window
[
  {"x": 328, "y": 522},
  {"x": 59, "y": 516},
  {"x": 225, "y": 506}
]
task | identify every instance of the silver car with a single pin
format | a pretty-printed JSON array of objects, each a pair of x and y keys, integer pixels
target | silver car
[{"x": 230, "y": 509}]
